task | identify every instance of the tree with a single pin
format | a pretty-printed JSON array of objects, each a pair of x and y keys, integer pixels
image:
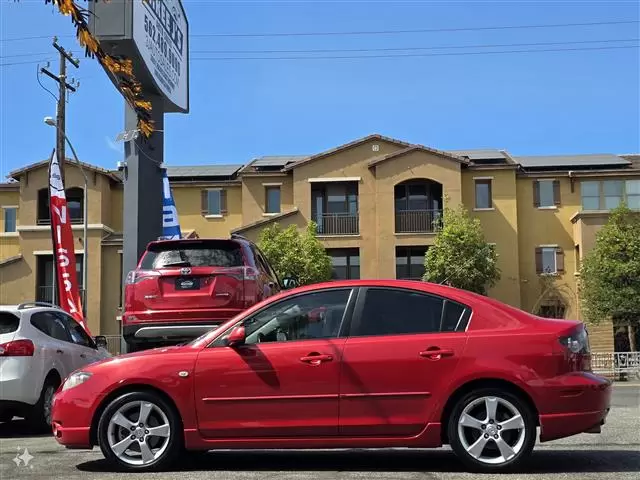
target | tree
[
  {"x": 610, "y": 272},
  {"x": 295, "y": 253},
  {"x": 460, "y": 256}
]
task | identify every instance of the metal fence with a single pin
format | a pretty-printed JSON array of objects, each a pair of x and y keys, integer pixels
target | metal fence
[
  {"x": 417, "y": 221},
  {"x": 616, "y": 364},
  {"x": 114, "y": 343},
  {"x": 338, "y": 224}
]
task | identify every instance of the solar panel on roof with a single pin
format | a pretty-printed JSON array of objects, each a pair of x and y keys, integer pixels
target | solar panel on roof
[
  {"x": 592, "y": 160},
  {"x": 203, "y": 171},
  {"x": 479, "y": 154},
  {"x": 276, "y": 161}
]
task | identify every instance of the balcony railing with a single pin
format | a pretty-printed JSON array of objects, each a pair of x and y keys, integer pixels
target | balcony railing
[
  {"x": 418, "y": 221},
  {"x": 46, "y": 293},
  {"x": 338, "y": 224}
]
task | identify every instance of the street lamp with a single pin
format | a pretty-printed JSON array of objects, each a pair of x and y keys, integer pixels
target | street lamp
[{"x": 85, "y": 211}]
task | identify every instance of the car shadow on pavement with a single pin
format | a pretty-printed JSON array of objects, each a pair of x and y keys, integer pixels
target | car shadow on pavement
[
  {"x": 21, "y": 428},
  {"x": 556, "y": 461}
]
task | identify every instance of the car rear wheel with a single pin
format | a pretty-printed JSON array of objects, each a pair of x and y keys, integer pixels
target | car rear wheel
[
  {"x": 40, "y": 417},
  {"x": 140, "y": 431},
  {"x": 492, "y": 430}
]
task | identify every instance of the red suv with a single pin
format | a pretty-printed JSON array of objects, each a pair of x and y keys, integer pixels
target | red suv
[{"x": 183, "y": 288}]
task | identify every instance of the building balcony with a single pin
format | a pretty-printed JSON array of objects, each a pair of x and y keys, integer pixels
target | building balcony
[
  {"x": 338, "y": 224},
  {"x": 418, "y": 221}
]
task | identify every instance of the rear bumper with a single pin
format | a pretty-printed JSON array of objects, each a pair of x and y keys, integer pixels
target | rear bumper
[
  {"x": 579, "y": 403},
  {"x": 158, "y": 331}
]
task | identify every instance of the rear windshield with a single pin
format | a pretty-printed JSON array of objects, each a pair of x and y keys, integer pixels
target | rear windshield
[
  {"x": 193, "y": 254},
  {"x": 8, "y": 322}
]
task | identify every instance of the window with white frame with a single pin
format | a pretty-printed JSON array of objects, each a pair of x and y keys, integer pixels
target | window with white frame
[
  {"x": 214, "y": 201},
  {"x": 549, "y": 260},
  {"x": 483, "y": 189},
  {"x": 633, "y": 194},
  {"x": 609, "y": 194},
  {"x": 613, "y": 193},
  {"x": 546, "y": 193},
  {"x": 10, "y": 219}
]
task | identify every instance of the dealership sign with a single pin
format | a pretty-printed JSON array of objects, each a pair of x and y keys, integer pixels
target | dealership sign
[{"x": 160, "y": 33}]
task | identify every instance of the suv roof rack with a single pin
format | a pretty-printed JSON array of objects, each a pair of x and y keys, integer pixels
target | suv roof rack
[{"x": 24, "y": 305}]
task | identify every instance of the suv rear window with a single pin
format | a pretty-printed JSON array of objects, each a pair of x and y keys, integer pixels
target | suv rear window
[
  {"x": 8, "y": 322},
  {"x": 193, "y": 254}
]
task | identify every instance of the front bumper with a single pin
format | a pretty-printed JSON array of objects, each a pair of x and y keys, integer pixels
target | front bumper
[{"x": 71, "y": 416}]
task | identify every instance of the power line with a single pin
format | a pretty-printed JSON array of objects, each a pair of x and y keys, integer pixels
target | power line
[
  {"x": 24, "y": 63},
  {"x": 374, "y": 32},
  {"x": 448, "y": 54},
  {"x": 423, "y": 30},
  {"x": 23, "y": 54},
  {"x": 443, "y": 47}
]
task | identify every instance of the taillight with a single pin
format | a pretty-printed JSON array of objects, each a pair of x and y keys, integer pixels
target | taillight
[
  {"x": 136, "y": 276},
  {"x": 578, "y": 349},
  {"x": 17, "y": 348},
  {"x": 251, "y": 273}
]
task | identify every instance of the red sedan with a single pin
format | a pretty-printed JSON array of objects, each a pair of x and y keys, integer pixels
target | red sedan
[{"x": 353, "y": 364}]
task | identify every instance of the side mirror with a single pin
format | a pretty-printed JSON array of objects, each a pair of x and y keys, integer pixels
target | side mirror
[
  {"x": 237, "y": 337},
  {"x": 101, "y": 341},
  {"x": 289, "y": 282}
]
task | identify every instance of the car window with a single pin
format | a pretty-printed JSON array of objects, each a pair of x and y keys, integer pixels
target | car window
[
  {"x": 50, "y": 324},
  {"x": 78, "y": 334},
  {"x": 267, "y": 266},
  {"x": 454, "y": 317},
  {"x": 8, "y": 322},
  {"x": 308, "y": 316},
  {"x": 398, "y": 312},
  {"x": 193, "y": 254}
]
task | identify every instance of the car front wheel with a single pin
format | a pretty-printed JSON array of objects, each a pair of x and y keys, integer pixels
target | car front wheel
[
  {"x": 492, "y": 430},
  {"x": 140, "y": 431}
]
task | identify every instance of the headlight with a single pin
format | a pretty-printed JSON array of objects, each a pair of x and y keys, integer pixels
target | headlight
[{"x": 76, "y": 379}]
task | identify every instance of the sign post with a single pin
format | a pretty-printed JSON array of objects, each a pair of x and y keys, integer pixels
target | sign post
[{"x": 154, "y": 34}]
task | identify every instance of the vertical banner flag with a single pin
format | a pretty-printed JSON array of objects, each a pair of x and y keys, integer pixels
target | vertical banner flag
[
  {"x": 64, "y": 253},
  {"x": 170, "y": 224}
]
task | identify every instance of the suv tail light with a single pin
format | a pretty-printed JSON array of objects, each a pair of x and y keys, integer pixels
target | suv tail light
[
  {"x": 578, "y": 349},
  {"x": 17, "y": 348},
  {"x": 136, "y": 276},
  {"x": 251, "y": 273}
]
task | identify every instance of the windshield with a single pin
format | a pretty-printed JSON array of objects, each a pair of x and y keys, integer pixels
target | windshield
[{"x": 210, "y": 254}]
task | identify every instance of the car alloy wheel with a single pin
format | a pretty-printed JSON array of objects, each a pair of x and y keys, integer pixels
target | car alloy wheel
[
  {"x": 47, "y": 403},
  {"x": 492, "y": 430},
  {"x": 138, "y": 432}
]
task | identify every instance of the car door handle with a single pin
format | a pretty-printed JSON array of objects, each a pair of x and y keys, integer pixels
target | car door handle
[
  {"x": 82, "y": 355},
  {"x": 59, "y": 351},
  {"x": 436, "y": 353},
  {"x": 316, "y": 358}
]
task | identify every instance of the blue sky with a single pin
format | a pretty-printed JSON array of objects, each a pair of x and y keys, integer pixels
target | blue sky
[{"x": 528, "y": 103}]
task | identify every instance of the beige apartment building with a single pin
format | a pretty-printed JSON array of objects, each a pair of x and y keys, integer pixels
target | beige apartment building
[{"x": 374, "y": 200}]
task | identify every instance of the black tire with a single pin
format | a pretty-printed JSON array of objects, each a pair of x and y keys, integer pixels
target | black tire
[
  {"x": 175, "y": 440},
  {"x": 40, "y": 416},
  {"x": 526, "y": 444}
]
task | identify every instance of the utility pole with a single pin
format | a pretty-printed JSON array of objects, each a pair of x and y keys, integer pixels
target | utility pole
[{"x": 61, "y": 78}]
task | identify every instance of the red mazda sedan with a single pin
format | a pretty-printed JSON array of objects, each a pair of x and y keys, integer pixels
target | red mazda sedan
[{"x": 350, "y": 364}]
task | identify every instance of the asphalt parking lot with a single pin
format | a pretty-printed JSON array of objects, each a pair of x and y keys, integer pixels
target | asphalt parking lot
[{"x": 614, "y": 454}]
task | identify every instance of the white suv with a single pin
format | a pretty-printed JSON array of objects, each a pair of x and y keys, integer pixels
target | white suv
[{"x": 40, "y": 345}]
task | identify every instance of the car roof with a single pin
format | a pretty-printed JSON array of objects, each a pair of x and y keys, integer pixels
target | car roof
[
  {"x": 186, "y": 241},
  {"x": 463, "y": 296}
]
